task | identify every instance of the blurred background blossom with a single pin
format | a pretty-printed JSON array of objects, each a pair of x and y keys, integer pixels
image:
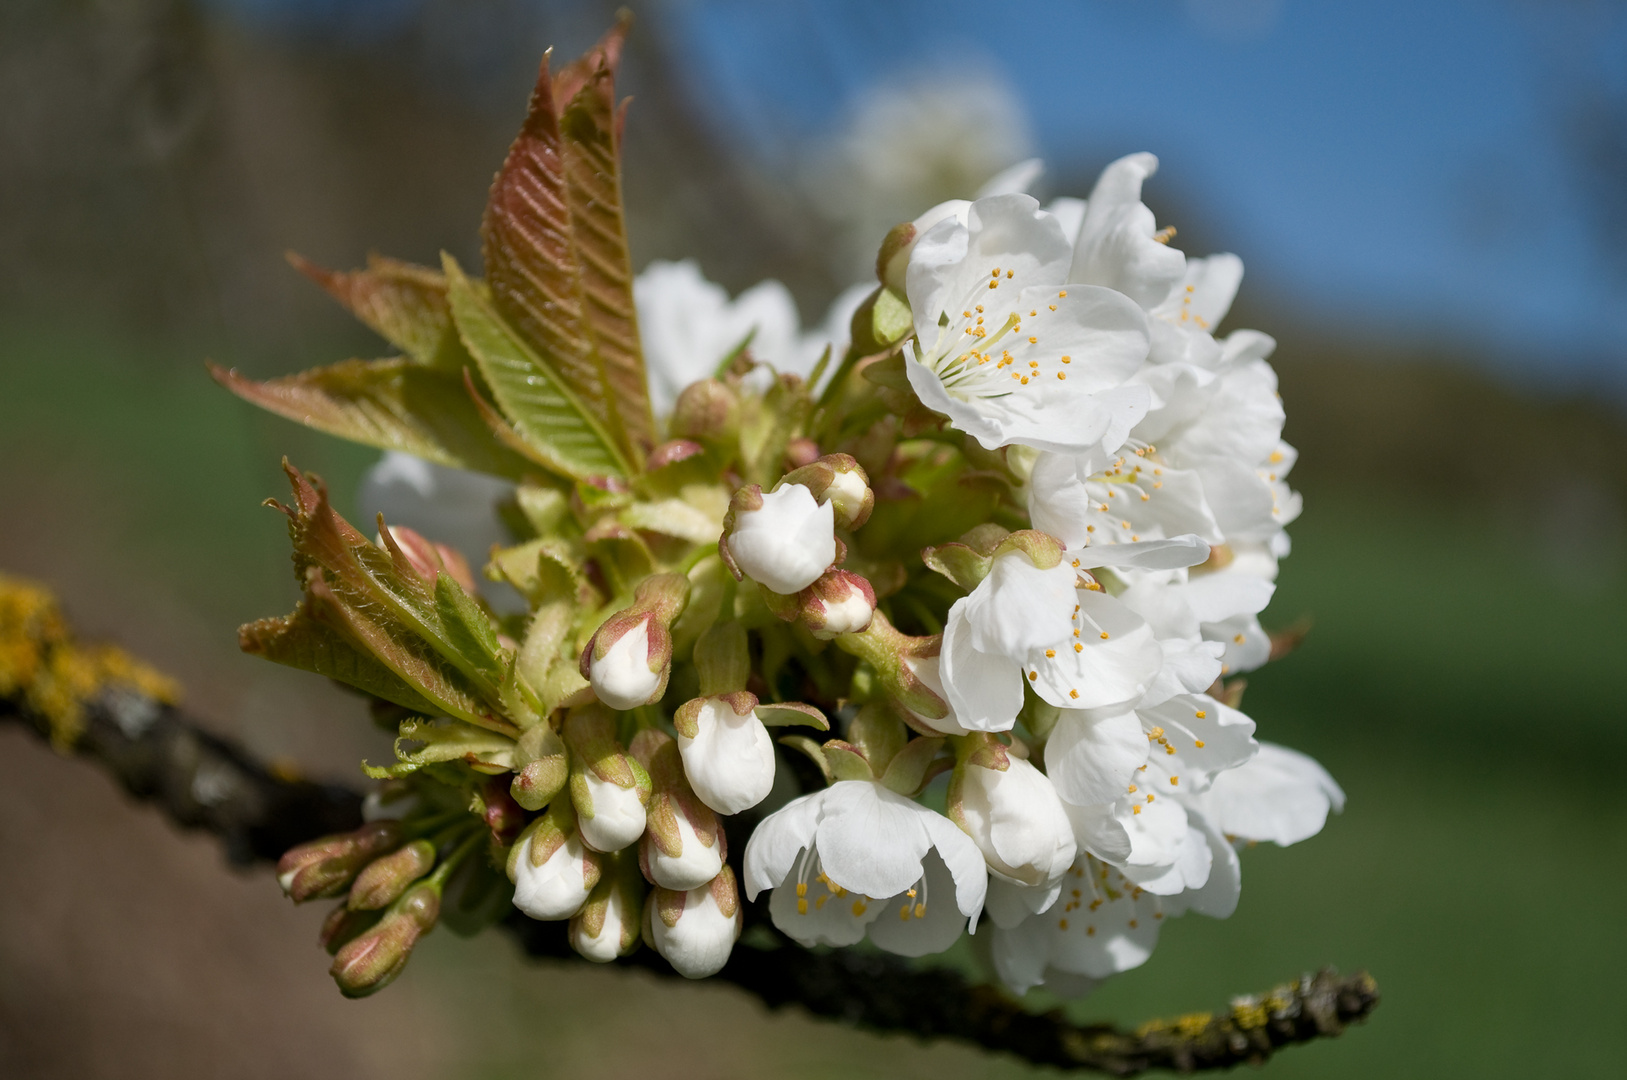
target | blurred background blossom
[{"x": 1431, "y": 202}]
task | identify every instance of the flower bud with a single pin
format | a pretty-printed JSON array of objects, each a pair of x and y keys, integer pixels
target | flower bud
[
  {"x": 608, "y": 924},
  {"x": 682, "y": 846},
  {"x": 840, "y": 602},
  {"x": 1009, "y": 808},
  {"x": 783, "y": 540},
  {"x": 706, "y": 411},
  {"x": 552, "y": 870},
  {"x": 343, "y": 926},
  {"x": 544, "y": 767},
  {"x": 425, "y": 557},
  {"x": 695, "y": 930},
  {"x": 324, "y": 867},
  {"x": 837, "y": 479},
  {"x": 608, "y": 788},
  {"x": 629, "y": 657},
  {"x": 372, "y": 960},
  {"x": 894, "y": 257},
  {"x": 727, "y": 753},
  {"x": 387, "y": 877},
  {"x": 502, "y": 815}
]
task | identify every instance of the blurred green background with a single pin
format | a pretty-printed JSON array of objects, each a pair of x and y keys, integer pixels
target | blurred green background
[{"x": 1462, "y": 555}]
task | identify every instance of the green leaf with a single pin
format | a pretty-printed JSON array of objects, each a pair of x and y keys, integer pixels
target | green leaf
[
  {"x": 301, "y": 641},
  {"x": 449, "y": 740},
  {"x": 555, "y": 246},
  {"x": 391, "y": 404},
  {"x": 467, "y": 627},
  {"x": 544, "y": 412},
  {"x": 403, "y": 303}
]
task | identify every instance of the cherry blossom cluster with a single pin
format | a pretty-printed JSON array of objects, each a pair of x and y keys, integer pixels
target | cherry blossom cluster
[{"x": 1027, "y": 729}]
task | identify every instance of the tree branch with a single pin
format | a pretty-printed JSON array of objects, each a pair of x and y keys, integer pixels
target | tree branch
[{"x": 111, "y": 710}]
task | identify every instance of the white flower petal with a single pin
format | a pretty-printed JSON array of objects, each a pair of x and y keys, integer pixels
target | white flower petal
[
  {"x": 775, "y": 843},
  {"x": 1092, "y": 755},
  {"x": 1280, "y": 795}
]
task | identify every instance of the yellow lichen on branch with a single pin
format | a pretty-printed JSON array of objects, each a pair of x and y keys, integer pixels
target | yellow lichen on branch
[{"x": 55, "y": 676}]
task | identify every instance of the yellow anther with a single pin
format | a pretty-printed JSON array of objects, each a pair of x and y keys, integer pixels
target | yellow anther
[
  {"x": 1033, "y": 341},
  {"x": 1053, "y": 307},
  {"x": 1067, "y": 359},
  {"x": 1132, "y": 789},
  {"x": 1104, "y": 635},
  {"x": 1090, "y": 931},
  {"x": 858, "y": 907},
  {"x": 1009, "y": 273},
  {"x": 1200, "y": 714},
  {"x": 1078, "y": 647},
  {"x": 1062, "y": 924},
  {"x": 1032, "y": 675},
  {"x": 1199, "y": 744},
  {"x": 802, "y": 907},
  {"x": 1073, "y": 693},
  {"x": 1050, "y": 654},
  {"x": 1064, "y": 292},
  {"x": 920, "y": 911},
  {"x": 1175, "y": 780}
]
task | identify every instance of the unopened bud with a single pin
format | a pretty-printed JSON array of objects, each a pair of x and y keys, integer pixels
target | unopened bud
[
  {"x": 894, "y": 257},
  {"x": 840, "y": 602},
  {"x": 783, "y": 540},
  {"x": 695, "y": 931},
  {"x": 343, "y": 926},
  {"x": 425, "y": 557},
  {"x": 727, "y": 753},
  {"x": 1009, "y": 808},
  {"x": 800, "y": 452},
  {"x": 387, "y": 877},
  {"x": 552, "y": 870},
  {"x": 706, "y": 411},
  {"x": 682, "y": 845},
  {"x": 608, "y": 788},
  {"x": 372, "y": 960},
  {"x": 840, "y": 480},
  {"x": 629, "y": 657},
  {"x": 325, "y": 867},
  {"x": 502, "y": 815},
  {"x": 544, "y": 767},
  {"x": 608, "y": 924}
]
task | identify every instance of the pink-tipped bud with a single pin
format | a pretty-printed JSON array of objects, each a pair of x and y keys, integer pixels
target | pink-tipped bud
[
  {"x": 325, "y": 867},
  {"x": 608, "y": 924},
  {"x": 629, "y": 657},
  {"x": 502, "y": 814},
  {"x": 682, "y": 845},
  {"x": 840, "y": 602},
  {"x": 387, "y": 877},
  {"x": 695, "y": 930},
  {"x": 837, "y": 479},
  {"x": 372, "y": 960},
  {"x": 552, "y": 870},
  {"x": 608, "y": 788},
  {"x": 426, "y": 557}
]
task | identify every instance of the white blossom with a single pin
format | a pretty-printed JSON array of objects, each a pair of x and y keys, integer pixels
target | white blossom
[
  {"x": 1006, "y": 348},
  {"x": 788, "y": 542},
  {"x": 1077, "y": 647},
  {"x": 1017, "y": 821},
  {"x": 614, "y": 815},
  {"x": 694, "y": 930},
  {"x": 857, "y": 860},
  {"x": 557, "y": 888},
  {"x": 730, "y": 759},
  {"x": 623, "y": 678}
]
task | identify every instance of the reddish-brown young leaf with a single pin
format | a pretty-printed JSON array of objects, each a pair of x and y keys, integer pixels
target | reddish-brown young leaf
[
  {"x": 392, "y": 404},
  {"x": 403, "y": 303},
  {"x": 555, "y": 248}
]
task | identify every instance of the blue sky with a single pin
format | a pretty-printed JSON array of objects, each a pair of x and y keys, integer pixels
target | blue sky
[{"x": 1382, "y": 164}]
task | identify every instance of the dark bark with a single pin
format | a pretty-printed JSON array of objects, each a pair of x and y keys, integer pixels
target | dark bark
[{"x": 202, "y": 781}]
